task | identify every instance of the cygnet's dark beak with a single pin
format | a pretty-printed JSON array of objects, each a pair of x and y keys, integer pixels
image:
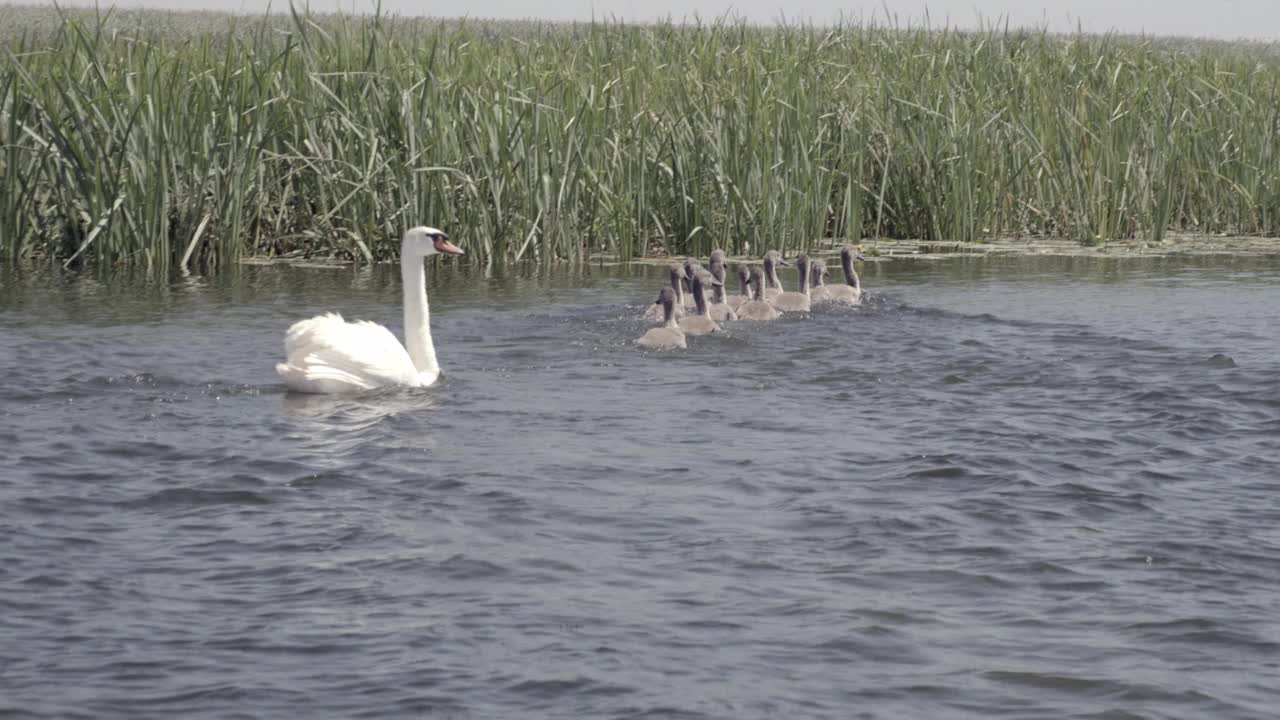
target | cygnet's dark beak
[{"x": 783, "y": 263}]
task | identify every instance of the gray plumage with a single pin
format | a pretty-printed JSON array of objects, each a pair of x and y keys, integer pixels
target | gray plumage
[
  {"x": 744, "y": 286},
  {"x": 851, "y": 292},
  {"x": 757, "y": 309},
  {"x": 795, "y": 301},
  {"x": 817, "y": 282},
  {"x": 719, "y": 307},
  {"x": 772, "y": 283},
  {"x": 654, "y": 312},
  {"x": 700, "y": 323},
  {"x": 669, "y": 335}
]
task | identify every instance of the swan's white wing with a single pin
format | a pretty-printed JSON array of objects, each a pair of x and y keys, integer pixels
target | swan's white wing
[{"x": 327, "y": 354}]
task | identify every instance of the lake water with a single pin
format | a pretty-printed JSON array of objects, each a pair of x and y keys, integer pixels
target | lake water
[{"x": 1027, "y": 488}]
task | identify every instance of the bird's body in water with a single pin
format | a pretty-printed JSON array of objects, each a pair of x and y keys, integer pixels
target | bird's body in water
[
  {"x": 717, "y": 306},
  {"x": 691, "y": 268},
  {"x": 795, "y": 301},
  {"x": 669, "y": 335},
  {"x": 676, "y": 274},
  {"x": 757, "y": 309},
  {"x": 327, "y": 354},
  {"x": 851, "y": 292},
  {"x": 744, "y": 288},
  {"x": 772, "y": 283},
  {"x": 700, "y": 323},
  {"x": 817, "y": 282}
]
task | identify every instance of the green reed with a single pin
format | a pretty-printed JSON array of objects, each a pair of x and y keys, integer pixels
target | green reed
[{"x": 167, "y": 140}]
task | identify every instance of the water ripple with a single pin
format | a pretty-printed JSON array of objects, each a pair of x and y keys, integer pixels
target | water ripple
[{"x": 984, "y": 493}]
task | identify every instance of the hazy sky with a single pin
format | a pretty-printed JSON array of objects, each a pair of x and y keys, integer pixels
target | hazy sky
[{"x": 1259, "y": 19}]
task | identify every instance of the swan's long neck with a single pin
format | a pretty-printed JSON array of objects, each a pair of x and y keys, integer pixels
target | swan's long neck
[
  {"x": 717, "y": 291},
  {"x": 417, "y": 319},
  {"x": 700, "y": 297},
  {"x": 804, "y": 279},
  {"x": 669, "y": 315},
  {"x": 850, "y": 276},
  {"x": 771, "y": 276}
]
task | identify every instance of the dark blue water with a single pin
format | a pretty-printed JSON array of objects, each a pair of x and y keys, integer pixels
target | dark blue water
[{"x": 1002, "y": 488}]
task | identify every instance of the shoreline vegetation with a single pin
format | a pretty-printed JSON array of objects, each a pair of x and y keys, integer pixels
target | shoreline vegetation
[
  {"x": 1172, "y": 246},
  {"x": 167, "y": 140}
]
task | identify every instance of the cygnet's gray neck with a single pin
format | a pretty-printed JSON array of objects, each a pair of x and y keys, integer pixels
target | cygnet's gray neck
[
  {"x": 850, "y": 275},
  {"x": 700, "y": 296}
]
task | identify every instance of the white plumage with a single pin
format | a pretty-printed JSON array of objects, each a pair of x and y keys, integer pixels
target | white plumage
[{"x": 327, "y": 354}]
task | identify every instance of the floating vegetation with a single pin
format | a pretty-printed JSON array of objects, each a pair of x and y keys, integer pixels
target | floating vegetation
[{"x": 170, "y": 140}]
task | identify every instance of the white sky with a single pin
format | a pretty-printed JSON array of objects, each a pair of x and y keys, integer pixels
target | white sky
[{"x": 1229, "y": 19}]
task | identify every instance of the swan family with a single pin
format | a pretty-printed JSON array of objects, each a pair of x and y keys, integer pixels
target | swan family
[
  {"x": 327, "y": 354},
  {"x": 762, "y": 296}
]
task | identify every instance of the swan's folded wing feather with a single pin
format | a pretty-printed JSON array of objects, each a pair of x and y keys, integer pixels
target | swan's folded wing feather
[{"x": 362, "y": 354}]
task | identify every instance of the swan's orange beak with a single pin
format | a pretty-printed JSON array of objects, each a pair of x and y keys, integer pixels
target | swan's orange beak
[{"x": 444, "y": 246}]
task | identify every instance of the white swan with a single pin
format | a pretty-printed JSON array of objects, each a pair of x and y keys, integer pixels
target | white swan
[{"x": 327, "y": 354}]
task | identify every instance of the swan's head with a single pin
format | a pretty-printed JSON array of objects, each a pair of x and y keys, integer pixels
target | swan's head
[
  {"x": 817, "y": 271},
  {"x": 666, "y": 297},
  {"x": 706, "y": 279},
  {"x": 850, "y": 253},
  {"x": 717, "y": 269},
  {"x": 423, "y": 241},
  {"x": 691, "y": 267},
  {"x": 757, "y": 282},
  {"x": 717, "y": 255},
  {"x": 774, "y": 258}
]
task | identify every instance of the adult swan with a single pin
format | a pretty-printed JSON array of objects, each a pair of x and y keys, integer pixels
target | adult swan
[{"x": 327, "y": 354}]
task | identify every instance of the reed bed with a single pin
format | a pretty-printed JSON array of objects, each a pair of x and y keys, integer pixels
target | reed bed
[{"x": 171, "y": 140}]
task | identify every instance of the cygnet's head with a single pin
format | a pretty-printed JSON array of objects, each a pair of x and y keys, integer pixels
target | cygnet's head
[
  {"x": 717, "y": 255},
  {"x": 849, "y": 252},
  {"x": 691, "y": 268},
  {"x": 744, "y": 275},
  {"x": 717, "y": 269},
  {"x": 773, "y": 257},
  {"x": 757, "y": 282},
  {"x": 718, "y": 272},
  {"x": 817, "y": 271},
  {"x": 423, "y": 241},
  {"x": 666, "y": 297},
  {"x": 706, "y": 279}
]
